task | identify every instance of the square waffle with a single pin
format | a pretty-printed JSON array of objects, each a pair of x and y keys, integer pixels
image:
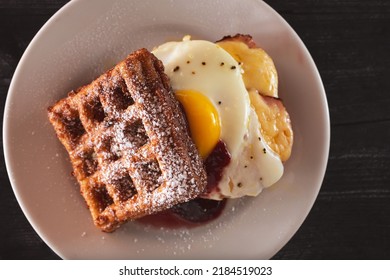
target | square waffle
[{"x": 128, "y": 143}]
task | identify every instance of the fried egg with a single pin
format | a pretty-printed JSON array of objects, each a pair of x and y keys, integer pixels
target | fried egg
[{"x": 208, "y": 82}]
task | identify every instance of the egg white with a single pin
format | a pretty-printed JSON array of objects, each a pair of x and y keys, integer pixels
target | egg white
[{"x": 213, "y": 72}]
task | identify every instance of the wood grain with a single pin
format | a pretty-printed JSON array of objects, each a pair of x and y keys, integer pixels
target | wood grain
[{"x": 350, "y": 43}]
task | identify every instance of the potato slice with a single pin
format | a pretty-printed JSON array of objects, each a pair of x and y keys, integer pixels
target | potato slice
[
  {"x": 275, "y": 123},
  {"x": 259, "y": 69}
]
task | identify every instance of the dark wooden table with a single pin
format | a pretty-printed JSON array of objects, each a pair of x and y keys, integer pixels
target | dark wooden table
[{"x": 350, "y": 43}]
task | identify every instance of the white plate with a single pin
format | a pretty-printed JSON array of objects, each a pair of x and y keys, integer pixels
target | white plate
[{"x": 84, "y": 39}]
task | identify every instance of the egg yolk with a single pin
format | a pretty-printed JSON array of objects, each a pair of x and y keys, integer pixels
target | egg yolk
[{"x": 203, "y": 120}]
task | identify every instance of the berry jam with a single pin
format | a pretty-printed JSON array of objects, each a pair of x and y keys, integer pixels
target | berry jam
[
  {"x": 197, "y": 211},
  {"x": 190, "y": 214},
  {"x": 215, "y": 163}
]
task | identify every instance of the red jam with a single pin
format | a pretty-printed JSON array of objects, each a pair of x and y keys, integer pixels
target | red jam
[
  {"x": 190, "y": 214},
  {"x": 215, "y": 163}
]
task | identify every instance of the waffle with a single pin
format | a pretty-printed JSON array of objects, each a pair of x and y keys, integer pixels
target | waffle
[{"x": 128, "y": 143}]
